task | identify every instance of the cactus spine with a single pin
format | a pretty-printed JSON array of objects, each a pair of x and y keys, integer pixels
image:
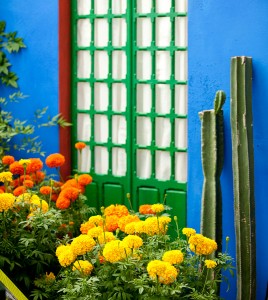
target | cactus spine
[
  {"x": 243, "y": 174},
  {"x": 212, "y": 161}
]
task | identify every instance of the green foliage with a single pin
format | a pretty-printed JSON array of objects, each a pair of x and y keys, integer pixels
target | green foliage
[
  {"x": 9, "y": 42},
  {"x": 10, "y": 126}
]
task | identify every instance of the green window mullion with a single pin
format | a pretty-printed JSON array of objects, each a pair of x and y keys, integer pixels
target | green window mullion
[{"x": 153, "y": 88}]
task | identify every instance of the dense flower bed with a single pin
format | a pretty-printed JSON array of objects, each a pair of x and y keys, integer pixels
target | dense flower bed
[{"x": 56, "y": 247}]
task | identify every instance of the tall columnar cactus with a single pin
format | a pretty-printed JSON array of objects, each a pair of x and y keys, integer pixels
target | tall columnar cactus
[
  {"x": 243, "y": 174},
  {"x": 212, "y": 161}
]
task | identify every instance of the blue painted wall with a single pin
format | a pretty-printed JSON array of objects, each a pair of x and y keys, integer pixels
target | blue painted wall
[
  {"x": 37, "y": 65},
  {"x": 219, "y": 30}
]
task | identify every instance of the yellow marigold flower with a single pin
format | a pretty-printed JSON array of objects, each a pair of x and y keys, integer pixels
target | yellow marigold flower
[
  {"x": 50, "y": 276},
  {"x": 96, "y": 220},
  {"x": 61, "y": 248},
  {"x": 188, "y": 231},
  {"x": 38, "y": 203},
  {"x": 130, "y": 228},
  {"x": 118, "y": 210},
  {"x": 24, "y": 162},
  {"x": 173, "y": 257},
  {"x": 115, "y": 251},
  {"x": 139, "y": 227},
  {"x": 27, "y": 198},
  {"x": 6, "y": 176},
  {"x": 66, "y": 257},
  {"x": 210, "y": 264},
  {"x": 163, "y": 271},
  {"x": 156, "y": 225},
  {"x": 157, "y": 208},
  {"x": 133, "y": 241},
  {"x": 6, "y": 201},
  {"x": 106, "y": 237},
  {"x": 82, "y": 244},
  {"x": 126, "y": 220},
  {"x": 83, "y": 266},
  {"x": 202, "y": 245},
  {"x": 95, "y": 232}
]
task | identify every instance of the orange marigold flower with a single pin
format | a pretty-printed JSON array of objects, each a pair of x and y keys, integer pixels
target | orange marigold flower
[
  {"x": 73, "y": 183},
  {"x": 146, "y": 209},
  {"x": 71, "y": 193},
  {"x": 8, "y": 160},
  {"x": 63, "y": 203},
  {"x": 28, "y": 183},
  {"x": 24, "y": 177},
  {"x": 85, "y": 227},
  {"x": 38, "y": 176},
  {"x": 54, "y": 197},
  {"x": 80, "y": 145},
  {"x": 55, "y": 160},
  {"x": 15, "y": 183},
  {"x": 84, "y": 179},
  {"x": 16, "y": 168},
  {"x": 111, "y": 222},
  {"x": 35, "y": 165},
  {"x": 2, "y": 191},
  {"x": 118, "y": 210},
  {"x": 126, "y": 220},
  {"x": 45, "y": 190}
]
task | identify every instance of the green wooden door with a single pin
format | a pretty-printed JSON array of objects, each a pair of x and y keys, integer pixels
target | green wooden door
[{"x": 129, "y": 91}]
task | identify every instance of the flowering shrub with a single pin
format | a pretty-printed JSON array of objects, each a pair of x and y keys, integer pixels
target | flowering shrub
[
  {"x": 54, "y": 247},
  {"x": 36, "y": 214},
  {"x": 135, "y": 259}
]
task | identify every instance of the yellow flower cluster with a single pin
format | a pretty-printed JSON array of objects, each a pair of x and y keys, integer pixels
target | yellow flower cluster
[
  {"x": 115, "y": 251},
  {"x": 65, "y": 255},
  {"x": 173, "y": 257},
  {"x": 37, "y": 203},
  {"x": 133, "y": 241},
  {"x": 157, "y": 208},
  {"x": 105, "y": 237},
  {"x": 210, "y": 264},
  {"x": 6, "y": 201},
  {"x": 202, "y": 245},
  {"x": 82, "y": 244},
  {"x": 83, "y": 266},
  {"x": 151, "y": 226},
  {"x": 188, "y": 231},
  {"x": 163, "y": 271},
  {"x": 6, "y": 177}
]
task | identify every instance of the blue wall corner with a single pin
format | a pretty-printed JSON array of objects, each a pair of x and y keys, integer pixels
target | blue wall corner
[
  {"x": 219, "y": 30},
  {"x": 37, "y": 65}
]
